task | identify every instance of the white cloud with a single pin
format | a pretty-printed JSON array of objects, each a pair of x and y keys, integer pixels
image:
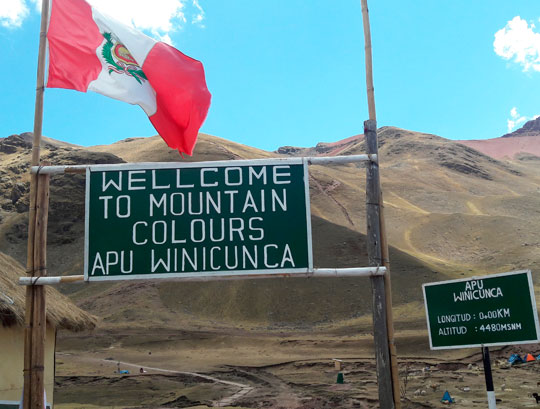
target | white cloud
[
  {"x": 516, "y": 119},
  {"x": 166, "y": 39},
  {"x": 158, "y": 17},
  {"x": 12, "y": 13},
  {"x": 519, "y": 41},
  {"x": 199, "y": 17}
]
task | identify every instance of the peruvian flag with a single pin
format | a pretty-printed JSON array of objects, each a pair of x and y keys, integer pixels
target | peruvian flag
[{"x": 89, "y": 51}]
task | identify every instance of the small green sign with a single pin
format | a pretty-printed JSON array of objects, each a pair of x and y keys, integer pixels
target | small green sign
[
  {"x": 164, "y": 220},
  {"x": 497, "y": 309}
]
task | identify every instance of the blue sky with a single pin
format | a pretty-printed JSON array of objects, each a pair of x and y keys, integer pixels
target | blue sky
[{"x": 292, "y": 72}]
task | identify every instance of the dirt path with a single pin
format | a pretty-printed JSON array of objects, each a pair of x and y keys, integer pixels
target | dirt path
[
  {"x": 286, "y": 396},
  {"x": 243, "y": 389}
]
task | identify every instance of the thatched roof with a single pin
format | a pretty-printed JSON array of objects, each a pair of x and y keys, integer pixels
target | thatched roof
[{"x": 61, "y": 312}]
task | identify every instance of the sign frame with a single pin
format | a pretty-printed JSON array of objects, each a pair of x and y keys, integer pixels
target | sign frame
[
  {"x": 533, "y": 303},
  {"x": 180, "y": 165}
]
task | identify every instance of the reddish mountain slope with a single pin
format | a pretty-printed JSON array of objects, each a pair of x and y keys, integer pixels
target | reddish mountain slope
[{"x": 524, "y": 141}]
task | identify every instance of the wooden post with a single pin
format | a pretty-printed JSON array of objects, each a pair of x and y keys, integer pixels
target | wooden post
[
  {"x": 383, "y": 240},
  {"x": 380, "y": 332},
  {"x": 39, "y": 314},
  {"x": 28, "y": 318},
  {"x": 33, "y": 292},
  {"x": 389, "y": 315}
]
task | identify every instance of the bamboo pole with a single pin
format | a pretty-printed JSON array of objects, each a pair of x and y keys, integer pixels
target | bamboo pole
[
  {"x": 28, "y": 397},
  {"x": 368, "y": 61},
  {"x": 385, "y": 258},
  {"x": 40, "y": 84}
]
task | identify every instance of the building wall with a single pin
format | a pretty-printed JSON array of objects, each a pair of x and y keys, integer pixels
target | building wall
[{"x": 12, "y": 363}]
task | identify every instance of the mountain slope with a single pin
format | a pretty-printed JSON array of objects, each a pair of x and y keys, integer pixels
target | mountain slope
[
  {"x": 523, "y": 142},
  {"x": 451, "y": 211},
  {"x": 479, "y": 210}
]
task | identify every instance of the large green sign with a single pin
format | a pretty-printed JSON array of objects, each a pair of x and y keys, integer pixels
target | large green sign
[
  {"x": 190, "y": 219},
  {"x": 498, "y": 309}
]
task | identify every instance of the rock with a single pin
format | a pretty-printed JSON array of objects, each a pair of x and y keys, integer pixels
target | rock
[
  {"x": 17, "y": 192},
  {"x": 289, "y": 150},
  {"x": 7, "y": 148},
  {"x": 433, "y": 385},
  {"x": 18, "y": 169},
  {"x": 22, "y": 207}
]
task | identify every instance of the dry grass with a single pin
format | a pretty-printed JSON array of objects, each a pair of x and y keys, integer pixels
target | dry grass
[{"x": 61, "y": 312}]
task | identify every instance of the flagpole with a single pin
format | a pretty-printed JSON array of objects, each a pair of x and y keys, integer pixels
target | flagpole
[
  {"x": 384, "y": 242},
  {"x": 35, "y": 343},
  {"x": 40, "y": 84}
]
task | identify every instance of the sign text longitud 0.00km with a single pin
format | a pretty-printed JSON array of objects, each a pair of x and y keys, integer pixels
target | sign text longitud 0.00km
[{"x": 497, "y": 309}]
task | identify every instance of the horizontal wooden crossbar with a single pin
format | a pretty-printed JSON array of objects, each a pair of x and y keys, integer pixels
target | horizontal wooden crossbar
[
  {"x": 312, "y": 160},
  {"x": 317, "y": 272}
]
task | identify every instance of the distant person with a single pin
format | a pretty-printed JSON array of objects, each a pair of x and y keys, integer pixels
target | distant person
[{"x": 141, "y": 370}]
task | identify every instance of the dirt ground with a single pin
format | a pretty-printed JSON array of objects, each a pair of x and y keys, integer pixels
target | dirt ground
[{"x": 246, "y": 368}]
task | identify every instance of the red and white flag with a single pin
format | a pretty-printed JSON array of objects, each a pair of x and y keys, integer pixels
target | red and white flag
[{"x": 89, "y": 51}]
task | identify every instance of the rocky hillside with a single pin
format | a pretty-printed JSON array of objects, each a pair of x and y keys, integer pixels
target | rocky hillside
[
  {"x": 66, "y": 215},
  {"x": 531, "y": 128}
]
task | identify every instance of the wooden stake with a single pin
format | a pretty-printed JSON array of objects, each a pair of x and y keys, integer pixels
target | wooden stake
[
  {"x": 380, "y": 332},
  {"x": 29, "y": 349}
]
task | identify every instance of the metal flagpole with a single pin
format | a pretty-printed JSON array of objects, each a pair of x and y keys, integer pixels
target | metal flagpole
[
  {"x": 385, "y": 260},
  {"x": 34, "y": 342}
]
